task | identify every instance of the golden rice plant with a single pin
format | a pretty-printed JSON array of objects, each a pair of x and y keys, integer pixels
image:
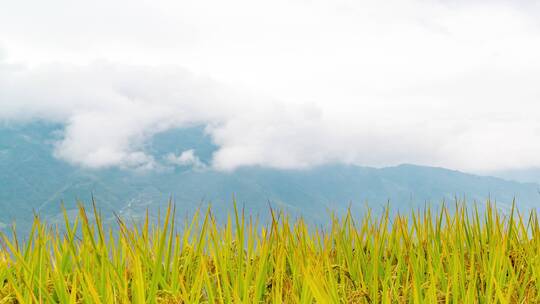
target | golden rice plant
[{"x": 448, "y": 255}]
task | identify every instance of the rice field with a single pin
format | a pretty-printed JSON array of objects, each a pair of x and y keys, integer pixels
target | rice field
[{"x": 448, "y": 255}]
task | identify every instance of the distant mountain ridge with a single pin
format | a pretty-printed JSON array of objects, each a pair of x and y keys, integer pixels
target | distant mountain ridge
[{"x": 33, "y": 180}]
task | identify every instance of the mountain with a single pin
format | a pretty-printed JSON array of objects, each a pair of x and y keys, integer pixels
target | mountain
[
  {"x": 33, "y": 180},
  {"x": 526, "y": 175}
]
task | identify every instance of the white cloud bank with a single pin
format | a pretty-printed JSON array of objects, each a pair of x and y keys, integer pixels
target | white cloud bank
[{"x": 290, "y": 84}]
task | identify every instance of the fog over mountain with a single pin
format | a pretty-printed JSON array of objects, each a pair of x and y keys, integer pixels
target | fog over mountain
[{"x": 32, "y": 181}]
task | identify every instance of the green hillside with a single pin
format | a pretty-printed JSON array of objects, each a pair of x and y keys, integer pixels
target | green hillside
[{"x": 32, "y": 179}]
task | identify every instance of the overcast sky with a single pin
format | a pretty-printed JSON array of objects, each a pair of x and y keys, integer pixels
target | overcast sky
[{"x": 286, "y": 84}]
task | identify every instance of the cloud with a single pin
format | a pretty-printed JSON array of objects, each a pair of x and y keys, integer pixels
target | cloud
[
  {"x": 186, "y": 158},
  {"x": 109, "y": 111},
  {"x": 285, "y": 84}
]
